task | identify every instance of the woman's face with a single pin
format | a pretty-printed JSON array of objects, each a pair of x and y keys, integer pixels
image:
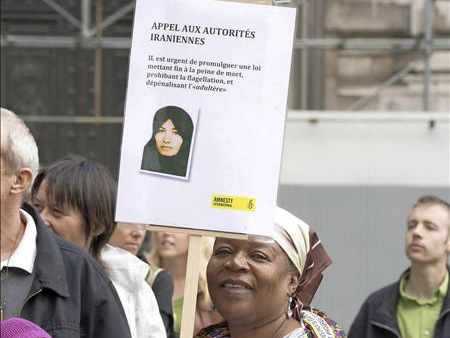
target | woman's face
[
  {"x": 172, "y": 245},
  {"x": 249, "y": 281},
  {"x": 128, "y": 236},
  {"x": 67, "y": 223},
  {"x": 168, "y": 141}
]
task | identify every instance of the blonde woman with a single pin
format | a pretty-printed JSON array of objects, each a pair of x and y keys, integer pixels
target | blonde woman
[{"x": 169, "y": 251}]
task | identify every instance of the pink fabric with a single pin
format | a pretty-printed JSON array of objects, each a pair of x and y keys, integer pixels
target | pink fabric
[{"x": 21, "y": 328}]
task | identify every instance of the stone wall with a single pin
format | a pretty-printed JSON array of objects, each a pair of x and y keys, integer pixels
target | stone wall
[{"x": 353, "y": 74}]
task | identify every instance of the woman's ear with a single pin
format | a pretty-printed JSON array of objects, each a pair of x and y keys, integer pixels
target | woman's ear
[{"x": 294, "y": 280}]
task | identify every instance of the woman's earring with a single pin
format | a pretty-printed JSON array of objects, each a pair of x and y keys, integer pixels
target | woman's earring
[{"x": 289, "y": 309}]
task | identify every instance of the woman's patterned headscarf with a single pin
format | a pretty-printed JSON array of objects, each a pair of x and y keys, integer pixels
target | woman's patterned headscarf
[{"x": 305, "y": 250}]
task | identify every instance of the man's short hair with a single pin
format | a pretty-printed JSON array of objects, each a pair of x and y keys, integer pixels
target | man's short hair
[
  {"x": 18, "y": 147},
  {"x": 432, "y": 200}
]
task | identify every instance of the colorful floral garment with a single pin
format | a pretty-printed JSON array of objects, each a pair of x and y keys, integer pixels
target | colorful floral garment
[{"x": 316, "y": 325}]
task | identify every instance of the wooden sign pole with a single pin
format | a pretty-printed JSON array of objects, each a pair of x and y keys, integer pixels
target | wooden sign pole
[{"x": 191, "y": 287}]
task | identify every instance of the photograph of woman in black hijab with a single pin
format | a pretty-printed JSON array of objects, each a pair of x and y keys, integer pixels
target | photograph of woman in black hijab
[{"x": 168, "y": 150}]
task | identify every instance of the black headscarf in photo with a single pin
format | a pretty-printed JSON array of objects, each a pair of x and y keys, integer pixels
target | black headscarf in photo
[{"x": 152, "y": 160}]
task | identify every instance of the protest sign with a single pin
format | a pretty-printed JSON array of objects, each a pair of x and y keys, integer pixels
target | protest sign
[{"x": 204, "y": 116}]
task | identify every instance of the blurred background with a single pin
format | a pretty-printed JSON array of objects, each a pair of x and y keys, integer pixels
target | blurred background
[{"x": 368, "y": 121}]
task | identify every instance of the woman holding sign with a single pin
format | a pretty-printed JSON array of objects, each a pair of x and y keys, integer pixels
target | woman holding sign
[
  {"x": 263, "y": 287},
  {"x": 168, "y": 150}
]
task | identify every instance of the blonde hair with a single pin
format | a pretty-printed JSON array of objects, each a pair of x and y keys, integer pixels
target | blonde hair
[
  {"x": 206, "y": 252},
  {"x": 18, "y": 147}
]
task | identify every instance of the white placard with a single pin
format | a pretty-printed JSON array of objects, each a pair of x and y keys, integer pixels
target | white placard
[{"x": 204, "y": 117}]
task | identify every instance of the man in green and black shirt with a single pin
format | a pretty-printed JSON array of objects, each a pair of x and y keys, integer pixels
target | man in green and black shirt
[{"x": 418, "y": 305}]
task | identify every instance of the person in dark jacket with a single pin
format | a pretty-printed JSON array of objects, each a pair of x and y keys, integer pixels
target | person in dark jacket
[
  {"x": 76, "y": 198},
  {"x": 45, "y": 279},
  {"x": 168, "y": 150},
  {"x": 418, "y": 305}
]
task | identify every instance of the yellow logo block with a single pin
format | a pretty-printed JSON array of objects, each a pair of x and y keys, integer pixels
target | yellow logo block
[{"x": 240, "y": 203}]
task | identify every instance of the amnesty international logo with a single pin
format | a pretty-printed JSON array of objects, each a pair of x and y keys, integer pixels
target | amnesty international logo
[{"x": 238, "y": 203}]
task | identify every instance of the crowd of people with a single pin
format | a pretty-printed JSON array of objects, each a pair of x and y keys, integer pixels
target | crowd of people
[{"x": 68, "y": 270}]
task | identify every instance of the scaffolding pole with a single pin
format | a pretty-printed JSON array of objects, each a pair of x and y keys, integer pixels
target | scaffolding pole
[
  {"x": 63, "y": 12},
  {"x": 110, "y": 20},
  {"x": 292, "y": 115},
  {"x": 98, "y": 73},
  {"x": 362, "y": 102},
  {"x": 370, "y": 44},
  {"x": 363, "y": 117},
  {"x": 427, "y": 52},
  {"x": 85, "y": 18},
  {"x": 304, "y": 60}
]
